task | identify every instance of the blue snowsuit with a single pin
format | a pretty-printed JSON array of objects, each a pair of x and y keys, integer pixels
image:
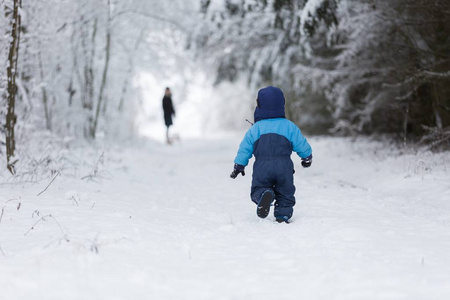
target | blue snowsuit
[{"x": 272, "y": 139}]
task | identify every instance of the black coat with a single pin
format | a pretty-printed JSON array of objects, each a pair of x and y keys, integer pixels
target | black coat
[{"x": 169, "y": 111}]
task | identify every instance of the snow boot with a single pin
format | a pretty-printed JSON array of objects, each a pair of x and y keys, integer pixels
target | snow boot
[
  {"x": 264, "y": 203},
  {"x": 283, "y": 219}
]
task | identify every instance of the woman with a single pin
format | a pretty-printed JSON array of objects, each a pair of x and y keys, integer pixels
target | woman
[{"x": 168, "y": 111}]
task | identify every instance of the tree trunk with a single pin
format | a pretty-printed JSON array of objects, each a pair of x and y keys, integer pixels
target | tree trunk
[
  {"x": 105, "y": 75},
  {"x": 441, "y": 50},
  {"x": 48, "y": 123},
  {"x": 11, "y": 71},
  {"x": 88, "y": 84}
]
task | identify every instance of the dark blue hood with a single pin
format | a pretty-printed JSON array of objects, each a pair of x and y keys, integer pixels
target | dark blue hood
[{"x": 270, "y": 104}]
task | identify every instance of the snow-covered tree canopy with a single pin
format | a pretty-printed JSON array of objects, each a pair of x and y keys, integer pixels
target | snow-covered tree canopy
[
  {"x": 354, "y": 66},
  {"x": 74, "y": 64}
]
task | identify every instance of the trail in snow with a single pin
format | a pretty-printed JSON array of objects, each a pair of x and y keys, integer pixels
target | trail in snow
[{"x": 169, "y": 223}]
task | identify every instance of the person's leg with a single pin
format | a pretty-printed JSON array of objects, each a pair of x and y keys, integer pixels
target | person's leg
[
  {"x": 284, "y": 191},
  {"x": 263, "y": 206},
  {"x": 168, "y": 122},
  {"x": 258, "y": 191},
  {"x": 167, "y": 135},
  {"x": 262, "y": 193}
]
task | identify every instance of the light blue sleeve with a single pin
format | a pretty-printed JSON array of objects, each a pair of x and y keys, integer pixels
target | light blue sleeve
[
  {"x": 245, "y": 151},
  {"x": 299, "y": 143}
]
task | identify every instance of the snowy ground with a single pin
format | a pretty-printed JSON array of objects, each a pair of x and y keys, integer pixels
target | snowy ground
[{"x": 160, "y": 222}]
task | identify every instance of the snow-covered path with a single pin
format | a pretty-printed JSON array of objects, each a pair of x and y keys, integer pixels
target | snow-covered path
[{"x": 169, "y": 223}]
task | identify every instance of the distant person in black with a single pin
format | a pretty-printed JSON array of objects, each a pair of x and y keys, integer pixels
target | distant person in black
[{"x": 169, "y": 111}]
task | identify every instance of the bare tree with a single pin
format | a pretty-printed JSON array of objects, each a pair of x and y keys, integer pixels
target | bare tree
[
  {"x": 93, "y": 128},
  {"x": 11, "y": 70}
]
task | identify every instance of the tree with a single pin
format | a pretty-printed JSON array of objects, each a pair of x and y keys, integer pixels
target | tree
[
  {"x": 13, "y": 14},
  {"x": 93, "y": 127},
  {"x": 424, "y": 80}
]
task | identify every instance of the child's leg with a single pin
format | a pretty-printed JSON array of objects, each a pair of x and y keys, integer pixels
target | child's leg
[
  {"x": 284, "y": 192},
  {"x": 257, "y": 193},
  {"x": 261, "y": 181},
  {"x": 262, "y": 193},
  {"x": 285, "y": 201}
]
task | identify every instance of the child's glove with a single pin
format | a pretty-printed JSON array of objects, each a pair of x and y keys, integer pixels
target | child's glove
[
  {"x": 307, "y": 161},
  {"x": 237, "y": 169}
]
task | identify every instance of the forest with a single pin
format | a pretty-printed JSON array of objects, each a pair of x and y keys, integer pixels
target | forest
[
  {"x": 147, "y": 151},
  {"x": 368, "y": 67},
  {"x": 353, "y": 67}
]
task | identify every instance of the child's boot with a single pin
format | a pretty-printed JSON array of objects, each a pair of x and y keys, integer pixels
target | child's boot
[
  {"x": 284, "y": 219},
  {"x": 264, "y": 203}
]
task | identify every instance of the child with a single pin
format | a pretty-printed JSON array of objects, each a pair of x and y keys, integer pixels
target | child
[{"x": 272, "y": 139}]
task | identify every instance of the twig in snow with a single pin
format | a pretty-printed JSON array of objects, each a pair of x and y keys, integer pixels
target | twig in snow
[
  {"x": 1, "y": 216},
  {"x": 56, "y": 221},
  {"x": 87, "y": 177},
  {"x": 35, "y": 212},
  {"x": 93, "y": 205},
  {"x": 43, "y": 219},
  {"x": 1, "y": 250},
  {"x": 94, "y": 171},
  {"x": 94, "y": 246},
  {"x": 3, "y": 208},
  {"x": 49, "y": 184},
  {"x": 76, "y": 202},
  {"x": 32, "y": 227},
  {"x": 343, "y": 183}
]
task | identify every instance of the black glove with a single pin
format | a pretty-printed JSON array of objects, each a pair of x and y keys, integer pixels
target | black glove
[
  {"x": 237, "y": 169},
  {"x": 307, "y": 161}
]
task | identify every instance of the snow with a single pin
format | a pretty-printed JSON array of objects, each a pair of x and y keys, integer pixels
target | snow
[
  {"x": 167, "y": 222},
  {"x": 309, "y": 12}
]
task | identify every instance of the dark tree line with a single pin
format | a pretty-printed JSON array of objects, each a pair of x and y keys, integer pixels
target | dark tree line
[{"x": 353, "y": 67}]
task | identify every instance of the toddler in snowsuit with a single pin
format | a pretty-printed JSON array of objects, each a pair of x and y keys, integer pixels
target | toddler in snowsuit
[{"x": 272, "y": 139}]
